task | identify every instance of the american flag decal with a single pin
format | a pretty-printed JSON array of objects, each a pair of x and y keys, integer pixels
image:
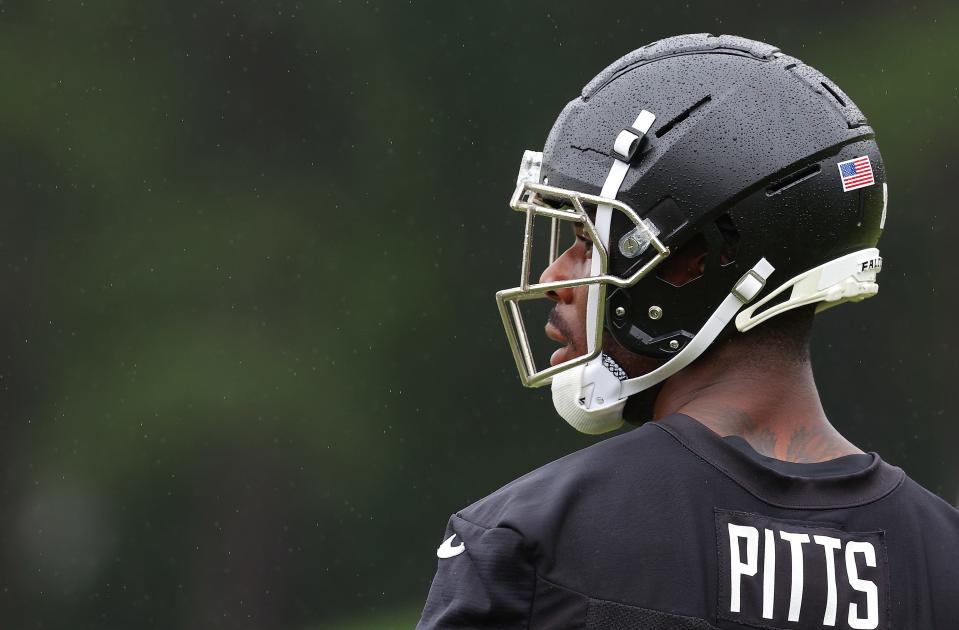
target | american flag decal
[{"x": 856, "y": 173}]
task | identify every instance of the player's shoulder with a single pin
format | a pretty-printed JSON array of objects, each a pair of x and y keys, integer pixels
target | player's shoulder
[
  {"x": 928, "y": 508},
  {"x": 601, "y": 467}
]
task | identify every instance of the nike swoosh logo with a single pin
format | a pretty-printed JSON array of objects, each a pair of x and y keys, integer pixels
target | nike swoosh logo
[{"x": 447, "y": 550}]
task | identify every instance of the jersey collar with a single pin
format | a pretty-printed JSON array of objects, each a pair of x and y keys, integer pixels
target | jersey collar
[{"x": 863, "y": 486}]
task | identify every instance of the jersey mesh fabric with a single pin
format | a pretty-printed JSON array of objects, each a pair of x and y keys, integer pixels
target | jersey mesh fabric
[{"x": 613, "y": 616}]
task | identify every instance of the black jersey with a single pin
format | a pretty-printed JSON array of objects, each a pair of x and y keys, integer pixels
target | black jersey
[{"x": 670, "y": 526}]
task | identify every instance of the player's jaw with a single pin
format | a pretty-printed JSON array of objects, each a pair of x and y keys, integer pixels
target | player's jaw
[
  {"x": 566, "y": 324},
  {"x": 559, "y": 328}
]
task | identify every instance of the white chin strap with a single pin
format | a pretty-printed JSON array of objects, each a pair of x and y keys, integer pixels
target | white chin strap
[{"x": 591, "y": 397}]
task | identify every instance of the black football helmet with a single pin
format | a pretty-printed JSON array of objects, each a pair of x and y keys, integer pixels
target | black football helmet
[{"x": 759, "y": 157}]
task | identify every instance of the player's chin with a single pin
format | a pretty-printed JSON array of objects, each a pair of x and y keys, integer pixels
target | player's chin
[
  {"x": 564, "y": 354},
  {"x": 559, "y": 356}
]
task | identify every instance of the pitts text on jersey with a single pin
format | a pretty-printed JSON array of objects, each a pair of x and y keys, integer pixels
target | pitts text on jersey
[{"x": 794, "y": 575}]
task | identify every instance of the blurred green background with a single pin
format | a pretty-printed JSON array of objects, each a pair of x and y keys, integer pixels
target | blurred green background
[{"x": 250, "y": 357}]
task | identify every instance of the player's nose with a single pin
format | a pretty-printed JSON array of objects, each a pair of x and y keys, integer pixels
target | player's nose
[{"x": 558, "y": 271}]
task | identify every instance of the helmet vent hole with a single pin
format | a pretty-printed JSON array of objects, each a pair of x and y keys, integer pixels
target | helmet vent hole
[
  {"x": 835, "y": 94},
  {"x": 662, "y": 131},
  {"x": 730, "y": 239},
  {"x": 791, "y": 180}
]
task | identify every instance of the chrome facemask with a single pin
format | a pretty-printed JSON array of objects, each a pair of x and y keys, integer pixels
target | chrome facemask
[{"x": 559, "y": 204}]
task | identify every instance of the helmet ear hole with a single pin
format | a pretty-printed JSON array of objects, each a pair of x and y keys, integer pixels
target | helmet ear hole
[
  {"x": 690, "y": 261},
  {"x": 686, "y": 264}
]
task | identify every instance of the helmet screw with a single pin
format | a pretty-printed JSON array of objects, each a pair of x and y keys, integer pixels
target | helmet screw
[
  {"x": 655, "y": 312},
  {"x": 630, "y": 246},
  {"x": 674, "y": 344},
  {"x": 620, "y": 311}
]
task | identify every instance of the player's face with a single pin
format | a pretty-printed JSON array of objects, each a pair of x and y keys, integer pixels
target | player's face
[{"x": 567, "y": 320}]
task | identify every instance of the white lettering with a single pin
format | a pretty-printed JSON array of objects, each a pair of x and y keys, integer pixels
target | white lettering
[
  {"x": 796, "y": 542},
  {"x": 830, "y": 545},
  {"x": 863, "y": 586},
  {"x": 737, "y": 567},
  {"x": 769, "y": 573},
  {"x": 860, "y": 598}
]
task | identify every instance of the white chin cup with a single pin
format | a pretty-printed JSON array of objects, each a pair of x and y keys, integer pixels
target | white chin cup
[{"x": 589, "y": 397}]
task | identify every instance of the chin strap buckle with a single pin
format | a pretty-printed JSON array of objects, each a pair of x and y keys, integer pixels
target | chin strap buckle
[{"x": 752, "y": 282}]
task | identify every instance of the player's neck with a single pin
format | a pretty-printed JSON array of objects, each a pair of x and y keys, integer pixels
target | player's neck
[{"x": 773, "y": 405}]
